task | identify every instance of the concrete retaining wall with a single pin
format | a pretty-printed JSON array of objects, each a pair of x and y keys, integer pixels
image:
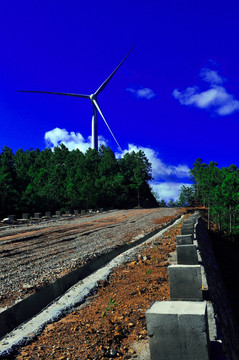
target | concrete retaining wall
[
  {"x": 179, "y": 329},
  {"x": 185, "y": 281}
]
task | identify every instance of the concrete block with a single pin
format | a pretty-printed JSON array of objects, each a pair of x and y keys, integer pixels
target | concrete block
[
  {"x": 188, "y": 226},
  {"x": 76, "y": 212},
  {"x": 187, "y": 254},
  {"x": 37, "y": 215},
  {"x": 26, "y": 216},
  {"x": 187, "y": 230},
  {"x": 185, "y": 282},
  {"x": 190, "y": 221},
  {"x": 178, "y": 330},
  {"x": 184, "y": 239},
  {"x": 48, "y": 213},
  {"x": 6, "y": 221},
  {"x": 58, "y": 213}
]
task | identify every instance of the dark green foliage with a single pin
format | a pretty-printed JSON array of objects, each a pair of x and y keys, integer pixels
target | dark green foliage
[
  {"x": 137, "y": 171},
  {"x": 187, "y": 196},
  {"x": 218, "y": 190},
  {"x": 162, "y": 203},
  {"x": 171, "y": 203},
  {"x": 48, "y": 180},
  {"x": 8, "y": 189}
]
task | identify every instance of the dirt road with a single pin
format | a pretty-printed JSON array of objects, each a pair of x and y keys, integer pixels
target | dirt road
[
  {"x": 35, "y": 255},
  {"x": 111, "y": 323}
]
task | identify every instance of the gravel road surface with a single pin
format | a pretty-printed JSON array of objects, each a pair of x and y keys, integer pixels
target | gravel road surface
[{"x": 34, "y": 255}]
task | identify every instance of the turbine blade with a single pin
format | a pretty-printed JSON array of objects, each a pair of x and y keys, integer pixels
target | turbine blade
[
  {"x": 56, "y": 93},
  {"x": 98, "y": 108},
  {"x": 102, "y": 86}
]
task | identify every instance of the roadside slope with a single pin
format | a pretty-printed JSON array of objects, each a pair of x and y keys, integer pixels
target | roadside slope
[{"x": 109, "y": 324}]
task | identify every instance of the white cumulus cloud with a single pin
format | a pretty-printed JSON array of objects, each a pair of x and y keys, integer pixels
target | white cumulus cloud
[
  {"x": 211, "y": 76},
  {"x": 160, "y": 170},
  {"x": 168, "y": 179},
  {"x": 142, "y": 93},
  {"x": 72, "y": 140},
  {"x": 216, "y": 98},
  {"x": 168, "y": 190}
]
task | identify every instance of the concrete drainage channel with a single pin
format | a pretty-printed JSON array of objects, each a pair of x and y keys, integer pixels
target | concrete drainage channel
[{"x": 20, "y": 323}]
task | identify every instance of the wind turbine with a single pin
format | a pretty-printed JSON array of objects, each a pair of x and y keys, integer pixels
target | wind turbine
[{"x": 95, "y": 105}]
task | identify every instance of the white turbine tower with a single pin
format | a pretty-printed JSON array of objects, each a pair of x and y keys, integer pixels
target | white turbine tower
[{"x": 95, "y": 105}]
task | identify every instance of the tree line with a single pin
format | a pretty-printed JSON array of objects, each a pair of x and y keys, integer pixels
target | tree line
[
  {"x": 217, "y": 189},
  {"x": 47, "y": 180}
]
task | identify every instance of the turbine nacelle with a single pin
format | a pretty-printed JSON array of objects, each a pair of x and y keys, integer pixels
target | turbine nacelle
[{"x": 92, "y": 98}]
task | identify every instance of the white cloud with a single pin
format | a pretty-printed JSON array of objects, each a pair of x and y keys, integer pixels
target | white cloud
[
  {"x": 71, "y": 139},
  {"x": 211, "y": 76},
  {"x": 216, "y": 98},
  {"x": 143, "y": 93},
  {"x": 168, "y": 190},
  {"x": 166, "y": 177},
  {"x": 228, "y": 108},
  {"x": 159, "y": 169}
]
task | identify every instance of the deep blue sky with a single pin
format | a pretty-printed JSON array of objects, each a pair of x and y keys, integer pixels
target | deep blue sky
[{"x": 176, "y": 96}]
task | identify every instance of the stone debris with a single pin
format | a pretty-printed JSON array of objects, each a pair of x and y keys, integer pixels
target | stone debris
[{"x": 6, "y": 221}]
